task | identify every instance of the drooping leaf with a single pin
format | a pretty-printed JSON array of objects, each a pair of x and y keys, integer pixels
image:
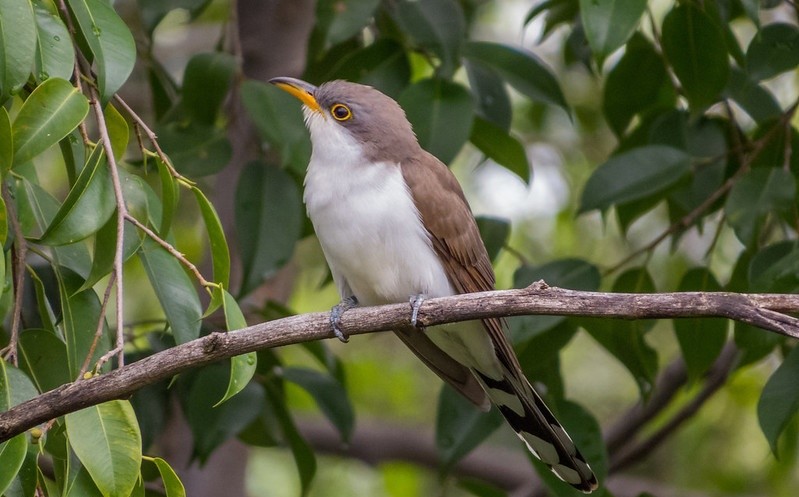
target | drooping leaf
[
  {"x": 340, "y": 20},
  {"x": 51, "y": 111},
  {"x": 107, "y": 441},
  {"x": 501, "y": 147},
  {"x": 441, "y": 113},
  {"x": 269, "y": 219},
  {"x": 694, "y": 44},
  {"x": 206, "y": 82},
  {"x": 701, "y": 340},
  {"x": 491, "y": 96},
  {"x": 110, "y": 42},
  {"x": 437, "y": 27},
  {"x": 521, "y": 69},
  {"x": 172, "y": 484},
  {"x": 494, "y": 232},
  {"x": 80, "y": 315},
  {"x": 634, "y": 175},
  {"x": 17, "y": 45},
  {"x": 609, "y": 23},
  {"x": 170, "y": 194},
  {"x": 220, "y": 253},
  {"x": 174, "y": 290},
  {"x": 460, "y": 427},
  {"x": 759, "y": 193},
  {"x": 55, "y": 56},
  {"x": 773, "y": 50},
  {"x": 105, "y": 249},
  {"x": 304, "y": 456},
  {"x": 43, "y": 356},
  {"x": 117, "y": 131},
  {"x": 330, "y": 395},
  {"x": 779, "y": 400},
  {"x": 242, "y": 367}
]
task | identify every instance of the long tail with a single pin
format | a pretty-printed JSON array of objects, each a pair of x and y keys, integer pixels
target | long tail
[{"x": 535, "y": 424}]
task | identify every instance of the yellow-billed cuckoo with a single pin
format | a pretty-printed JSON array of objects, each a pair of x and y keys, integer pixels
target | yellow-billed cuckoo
[{"x": 393, "y": 223}]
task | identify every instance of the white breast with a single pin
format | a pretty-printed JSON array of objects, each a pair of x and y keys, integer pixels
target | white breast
[{"x": 367, "y": 224}]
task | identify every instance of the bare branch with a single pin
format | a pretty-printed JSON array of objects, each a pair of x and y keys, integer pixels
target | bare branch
[{"x": 763, "y": 310}]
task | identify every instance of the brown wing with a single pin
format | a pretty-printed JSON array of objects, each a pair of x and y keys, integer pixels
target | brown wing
[{"x": 456, "y": 239}]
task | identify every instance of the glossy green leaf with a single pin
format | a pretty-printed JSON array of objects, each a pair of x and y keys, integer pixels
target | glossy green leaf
[
  {"x": 523, "y": 70},
  {"x": 170, "y": 195},
  {"x": 12, "y": 455},
  {"x": 756, "y": 100},
  {"x": 17, "y": 45},
  {"x": 242, "y": 367},
  {"x": 304, "y": 456},
  {"x": 773, "y": 50},
  {"x": 609, "y": 23},
  {"x": 15, "y": 388},
  {"x": 211, "y": 426},
  {"x": 172, "y": 484},
  {"x": 460, "y": 427},
  {"x": 636, "y": 84},
  {"x": 43, "y": 356},
  {"x": 88, "y": 205},
  {"x": 117, "y": 130},
  {"x": 330, "y": 395},
  {"x": 626, "y": 339},
  {"x": 269, "y": 218},
  {"x": 491, "y": 96},
  {"x": 694, "y": 44},
  {"x": 55, "y": 55},
  {"x": 45, "y": 315},
  {"x": 51, "y": 111},
  {"x": 174, "y": 290},
  {"x": 441, "y": 113},
  {"x": 80, "y": 315},
  {"x": 634, "y": 175},
  {"x": 109, "y": 40},
  {"x": 779, "y": 400},
  {"x": 206, "y": 82},
  {"x": 6, "y": 142},
  {"x": 434, "y": 26},
  {"x": 107, "y": 441},
  {"x": 495, "y": 232},
  {"x": 701, "y": 340},
  {"x": 278, "y": 119},
  {"x": 105, "y": 242},
  {"x": 501, "y": 147},
  {"x": 758, "y": 194},
  {"x": 24, "y": 484},
  {"x": 216, "y": 235}
]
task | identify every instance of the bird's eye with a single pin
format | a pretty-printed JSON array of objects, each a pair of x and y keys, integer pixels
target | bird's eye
[{"x": 341, "y": 112}]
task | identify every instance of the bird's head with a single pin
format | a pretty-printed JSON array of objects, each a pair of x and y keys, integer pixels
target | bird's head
[{"x": 338, "y": 113}]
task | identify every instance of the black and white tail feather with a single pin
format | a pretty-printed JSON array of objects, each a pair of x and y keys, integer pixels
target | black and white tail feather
[{"x": 534, "y": 423}]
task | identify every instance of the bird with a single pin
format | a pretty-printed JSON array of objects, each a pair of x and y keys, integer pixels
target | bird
[{"x": 394, "y": 225}]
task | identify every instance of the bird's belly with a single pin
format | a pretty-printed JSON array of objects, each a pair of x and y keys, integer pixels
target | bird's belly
[{"x": 374, "y": 240}]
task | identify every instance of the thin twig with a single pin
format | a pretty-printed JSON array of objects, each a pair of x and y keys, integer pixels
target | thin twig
[
  {"x": 20, "y": 253},
  {"x": 98, "y": 332}
]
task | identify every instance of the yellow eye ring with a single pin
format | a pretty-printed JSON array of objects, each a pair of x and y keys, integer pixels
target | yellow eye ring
[{"x": 340, "y": 112}]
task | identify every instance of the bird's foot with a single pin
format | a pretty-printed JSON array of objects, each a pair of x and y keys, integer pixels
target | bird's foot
[
  {"x": 337, "y": 311},
  {"x": 416, "y": 304}
]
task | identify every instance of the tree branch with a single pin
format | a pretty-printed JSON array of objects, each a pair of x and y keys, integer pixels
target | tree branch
[{"x": 762, "y": 310}]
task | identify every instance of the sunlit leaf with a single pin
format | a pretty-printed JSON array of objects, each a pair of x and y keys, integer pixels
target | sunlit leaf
[
  {"x": 55, "y": 55},
  {"x": 117, "y": 131},
  {"x": 172, "y": 484},
  {"x": 17, "y": 45}
]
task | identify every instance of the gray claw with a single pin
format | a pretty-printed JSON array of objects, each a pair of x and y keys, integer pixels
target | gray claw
[
  {"x": 416, "y": 304},
  {"x": 337, "y": 311}
]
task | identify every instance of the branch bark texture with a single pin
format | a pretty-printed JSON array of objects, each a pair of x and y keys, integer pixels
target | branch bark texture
[{"x": 766, "y": 311}]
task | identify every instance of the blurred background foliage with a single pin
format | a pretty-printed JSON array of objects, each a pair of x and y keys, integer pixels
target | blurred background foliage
[{"x": 626, "y": 146}]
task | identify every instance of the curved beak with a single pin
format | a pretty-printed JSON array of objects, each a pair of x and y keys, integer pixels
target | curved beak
[{"x": 300, "y": 89}]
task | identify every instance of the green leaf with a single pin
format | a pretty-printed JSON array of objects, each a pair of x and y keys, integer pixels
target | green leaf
[
  {"x": 172, "y": 484},
  {"x": 107, "y": 441},
  {"x": 494, "y": 231},
  {"x": 3, "y": 232},
  {"x": 279, "y": 121},
  {"x": 6, "y": 142},
  {"x": 636, "y": 84},
  {"x": 206, "y": 82},
  {"x": 43, "y": 356},
  {"x": 701, "y": 340},
  {"x": 12, "y": 455},
  {"x": 51, "y": 111},
  {"x": 55, "y": 55},
  {"x": 523, "y": 70},
  {"x": 304, "y": 456},
  {"x": 216, "y": 237},
  {"x": 759, "y": 193},
  {"x": 117, "y": 130},
  {"x": 105, "y": 242},
  {"x": 269, "y": 218},
  {"x": 242, "y": 367},
  {"x": 460, "y": 427},
  {"x": 196, "y": 149},
  {"x": 493, "y": 101},
  {"x": 437, "y": 27},
  {"x": 344, "y": 19},
  {"x": 441, "y": 113},
  {"x": 80, "y": 315},
  {"x": 775, "y": 269},
  {"x": 88, "y": 205},
  {"x": 330, "y": 395},
  {"x": 170, "y": 194},
  {"x": 756, "y": 100},
  {"x": 480, "y": 488},
  {"x": 501, "y": 147},
  {"x": 153, "y": 11},
  {"x": 174, "y": 290},
  {"x": 110, "y": 42},
  {"x": 694, "y": 45},
  {"x": 634, "y": 175},
  {"x": 779, "y": 400},
  {"x": 17, "y": 45},
  {"x": 773, "y": 50},
  {"x": 609, "y": 23},
  {"x": 626, "y": 339}
]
